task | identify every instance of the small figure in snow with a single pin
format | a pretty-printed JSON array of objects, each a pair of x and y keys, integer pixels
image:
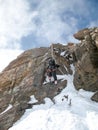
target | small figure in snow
[{"x": 51, "y": 70}]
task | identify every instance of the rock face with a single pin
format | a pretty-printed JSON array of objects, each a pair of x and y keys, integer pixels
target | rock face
[
  {"x": 86, "y": 60},
  {"x": 24, "y": 77}
]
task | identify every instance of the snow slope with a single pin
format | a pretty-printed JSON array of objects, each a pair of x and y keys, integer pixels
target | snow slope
[{"x": 77, "y": 112}]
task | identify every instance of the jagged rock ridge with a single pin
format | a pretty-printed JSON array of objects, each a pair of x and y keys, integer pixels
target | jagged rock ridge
[{"x": 25, "y": 75}]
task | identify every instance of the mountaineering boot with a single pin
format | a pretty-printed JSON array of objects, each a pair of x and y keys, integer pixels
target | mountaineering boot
[
  {"x": 50, "y": 81},
  {"x": 55, "y": 82}
]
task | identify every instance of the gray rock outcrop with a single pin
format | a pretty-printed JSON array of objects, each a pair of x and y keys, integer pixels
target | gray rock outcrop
[
  {"x": 86, "y": 60},
  {"x": 24, "y": 77}
]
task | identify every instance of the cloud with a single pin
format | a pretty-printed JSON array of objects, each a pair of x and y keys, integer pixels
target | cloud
[
  {"x": 48, "y": 20},
  {"x": 6, "y": 56},
  {"x": 57, "y": 20},
  {"x": 15, "y": 22}
]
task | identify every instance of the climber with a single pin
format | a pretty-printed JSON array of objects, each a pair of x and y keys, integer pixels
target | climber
[{"x": 51, "y": 70}]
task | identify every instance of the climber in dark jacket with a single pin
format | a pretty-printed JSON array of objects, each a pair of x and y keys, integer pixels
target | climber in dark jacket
[{"x": 51, "y": 70}]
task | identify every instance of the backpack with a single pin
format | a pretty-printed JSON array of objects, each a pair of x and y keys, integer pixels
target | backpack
[{"x": 51, "y": 62}]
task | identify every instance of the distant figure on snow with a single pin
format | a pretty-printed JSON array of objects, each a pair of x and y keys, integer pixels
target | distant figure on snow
[{"x": 51, "y": 70}]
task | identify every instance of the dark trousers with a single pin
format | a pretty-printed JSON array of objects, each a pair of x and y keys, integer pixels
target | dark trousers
[{"x": 52, "y": 73}]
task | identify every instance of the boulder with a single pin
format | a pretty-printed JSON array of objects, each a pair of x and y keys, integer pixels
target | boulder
[
  {"x": 81, "y": 34},
  {"x": 95, "y": 97}
]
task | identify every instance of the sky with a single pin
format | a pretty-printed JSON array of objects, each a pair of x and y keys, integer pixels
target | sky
[
  {"x": 26, "y": 24},
  {"x": 81, "y": 114}
]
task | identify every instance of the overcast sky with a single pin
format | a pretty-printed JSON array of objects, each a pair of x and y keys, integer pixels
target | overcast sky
[{"x": 26, "y": 24}]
